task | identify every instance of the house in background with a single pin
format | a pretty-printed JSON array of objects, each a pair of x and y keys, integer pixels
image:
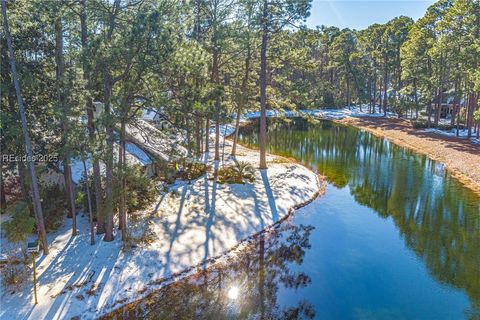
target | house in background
[
  {"x": 145, "y": 145},
  {"x": 156, "y": 117},
  {"x": 149, "y": 142},
  {"x": 448, "y": 104},
  {"x": 162, "y": 147},
  {"x": 134, "y": 156}
]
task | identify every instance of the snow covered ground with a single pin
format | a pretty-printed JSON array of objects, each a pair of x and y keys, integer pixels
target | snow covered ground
[
  {"x": 191, "y": 224},
  {"x": 453, "y": 133},
  {"x": 353, "y": 111}
]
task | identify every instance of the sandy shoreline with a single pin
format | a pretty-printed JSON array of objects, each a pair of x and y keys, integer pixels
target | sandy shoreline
[{"x": 460, "y": 156}]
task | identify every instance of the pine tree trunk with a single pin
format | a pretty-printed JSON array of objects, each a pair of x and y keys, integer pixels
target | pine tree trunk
[
  {"x": 244, "y": 97},
  {"x": 198, "y": 136},
  {"x": 216, "y": 80},
  {"x": 235, "y": 135},
  {"x": 416, "y": 97},
  {"x": 370, "y": 95},
  {"x": 438, "y": 107},
  {"x": 217, "y": 137},
  {"x": 380, "y": 94},
  {"x": 28, "y": 145},
  {"x": 90, "y": 122},
  {"x": 262, "y": 135},
  {"x": 470, "y": 110},
  {"x": 89, "y": 200},
  {"x": 207, "y": 134},
  {"x": 458, "y": 120},
  {"x": 122, "y": 214},
  {"x": 385, "y": 86},
  {"x": 67, "y": 172},
  {"x": 108, "y": 160}
]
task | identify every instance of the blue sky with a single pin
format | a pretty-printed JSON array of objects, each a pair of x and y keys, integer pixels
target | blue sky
[{"x": 359, "y": 14}]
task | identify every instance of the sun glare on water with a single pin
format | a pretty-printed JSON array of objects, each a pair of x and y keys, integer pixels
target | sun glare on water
[{"x": 233, "y": 293}]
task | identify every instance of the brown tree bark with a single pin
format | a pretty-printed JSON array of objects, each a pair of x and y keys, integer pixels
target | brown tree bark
[
  {"x": 28, "y": 144},
  {"x": 89, "y": 200},
  {"x": 262, "y": 135},
  {"x": 385, "y": 87},
  {"x": 67, "y": 172},
  {"x": 197, "y": 136},
  {"x": 207, "y": 134},
  {"x": 216, "y": 79},
  {"x": 244, "y": 97},
  {"x": 109, "y": 159},
  {"x": 416, "y": 97},
  {"x": 122, "y": 215},
  {"x": 90, "y": 122},
  {"x": 470, "y": 110}
]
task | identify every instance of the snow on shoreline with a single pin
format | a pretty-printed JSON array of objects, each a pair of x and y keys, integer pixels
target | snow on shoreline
[
  {"x": 336, "y": 114},
  {"x": 342, "y": 113},
  {"x": 463, "y": 133},
  {"x": 192, "y": 225}
]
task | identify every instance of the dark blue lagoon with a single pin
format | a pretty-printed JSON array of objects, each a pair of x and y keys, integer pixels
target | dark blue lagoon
[{"x": 394, "y": 237}]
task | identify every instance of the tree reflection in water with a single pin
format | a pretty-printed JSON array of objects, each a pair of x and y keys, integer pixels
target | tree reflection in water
[
  {"x": 437, "y": 217},
  {"x": 256, "y": 272}
]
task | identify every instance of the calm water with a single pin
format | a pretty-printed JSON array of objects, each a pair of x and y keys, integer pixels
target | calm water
[{"x": 394, "y": 237}]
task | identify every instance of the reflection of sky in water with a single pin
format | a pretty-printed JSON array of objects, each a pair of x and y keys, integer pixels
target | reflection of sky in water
[
  {"x": 406, "y": 264},
  {"x": 360, "y": 267}
]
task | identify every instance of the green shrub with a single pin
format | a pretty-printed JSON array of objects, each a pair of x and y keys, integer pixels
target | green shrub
[
  {"x": 419, "y": 123},
  {"x": 446, "y": 127},
  {"x": 165, "y": 171},
  {"x": 476, "y": 116},
  {"x": 237, "y": 173},
  {"x": 400, "y": 106},
  {"x": 192, "y": 170},
  {"x": 14, "y": 275},
  {"x": 81, "y": 200},
  {"x": 21, "y": 224},
  {"x": 140, "y": 191},
  {"x": 53, "y": 205}
]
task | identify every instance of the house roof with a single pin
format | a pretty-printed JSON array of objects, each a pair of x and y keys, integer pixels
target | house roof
[
  {"x": 133, "y": 156},
  {"x": 159, "y": 144},
  {"x": 149, "y": 114}
]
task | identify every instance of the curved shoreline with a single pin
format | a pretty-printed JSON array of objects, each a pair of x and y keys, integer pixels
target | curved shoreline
[
  {"x": 159, "y": 284},
  {"x": 467, "y": 175},
  {"x": 191, "y": 227},
  {"x": 222, "y": 259},
  {"x": 411, "y": 142},
  {"x": 203, "y": 267}
]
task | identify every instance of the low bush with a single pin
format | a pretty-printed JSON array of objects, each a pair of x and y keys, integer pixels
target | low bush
[
  {"x": 446, "y": 127},
  {"x": 140, "y": 192},
  {"x": 54, "y": 206},
  {"x": 183, "y": 169},
  {"x": 15, "y": 275},
  {"x": 192, "y": 171},
  {"x": 20, "y": 226},
  {"x": 419, "y": 123},
  {"x": 165, "y": 171},
  {"x": 237, "y": 173},
  {"x": 476, "y": 116}
]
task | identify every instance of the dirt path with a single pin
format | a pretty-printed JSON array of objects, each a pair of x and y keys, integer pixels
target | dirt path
[{"x": 460, "y": 156}]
